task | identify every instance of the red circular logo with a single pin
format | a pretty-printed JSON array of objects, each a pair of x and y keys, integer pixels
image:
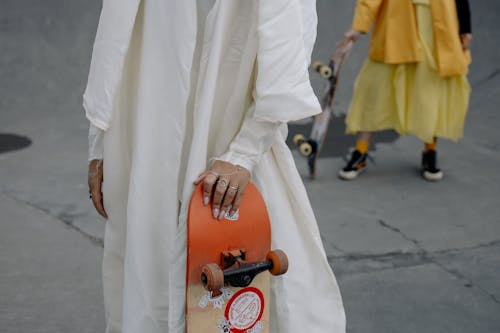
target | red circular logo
[{"x": 245, "y": 309}]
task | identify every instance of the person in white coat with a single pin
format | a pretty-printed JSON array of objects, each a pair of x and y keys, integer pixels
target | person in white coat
[{"x": 182, "y": 92}]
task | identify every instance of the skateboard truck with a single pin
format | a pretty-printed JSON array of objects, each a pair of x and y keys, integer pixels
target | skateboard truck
[{"x": 237, "y": 272}]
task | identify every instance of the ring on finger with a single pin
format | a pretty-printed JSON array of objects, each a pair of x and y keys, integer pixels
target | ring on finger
[
  {"x": 233, "y": 187},
  {"x": 222, "y": 183}
]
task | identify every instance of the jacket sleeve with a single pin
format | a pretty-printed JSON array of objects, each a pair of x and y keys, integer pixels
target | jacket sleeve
[
  {"x": 283, "y": 90},
  {"x": 95, "y": 143},
  {"x": 464, "y": 16},
  {"x": 365, "y": 13},
  {"x": 282, "y": 93},
  {"x": 108, "y": 58},
  {"x": 255, "y": 138}
]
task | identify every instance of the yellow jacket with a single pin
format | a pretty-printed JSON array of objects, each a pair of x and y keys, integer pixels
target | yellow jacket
[{"x": 395, "y": 34}]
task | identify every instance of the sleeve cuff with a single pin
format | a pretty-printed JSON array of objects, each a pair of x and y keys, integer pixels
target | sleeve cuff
[
  {"x": 238, "y": 159},
  {"x": 365, "y": 14},
  {"x": 362, "y": 24},
  {"x": 96, "y": 150}
]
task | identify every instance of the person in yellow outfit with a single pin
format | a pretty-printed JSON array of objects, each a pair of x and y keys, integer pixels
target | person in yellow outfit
[{"x": 414, "y": 80}]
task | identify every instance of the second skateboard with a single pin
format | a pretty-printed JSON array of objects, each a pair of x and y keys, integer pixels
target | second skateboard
[{"x": 310, "y": 147}]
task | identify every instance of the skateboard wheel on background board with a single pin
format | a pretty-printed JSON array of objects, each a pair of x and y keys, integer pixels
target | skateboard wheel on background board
[
  {"x": 279, "y": 261},
  {"x": 317, "y": 65},
  {"x": 305, "y": 149},
  {"x": 325, "y": 71},
  {"x": 298, "y": 139},
  {"x": 212, "y": 277}
]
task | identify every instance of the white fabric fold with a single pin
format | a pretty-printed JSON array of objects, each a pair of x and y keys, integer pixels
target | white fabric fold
[
  {"x": 169, "y": 101},
  {"x": 96, "y": 136},
  {"x": 285, "y": 37},
  {"x": 254, "y": 139},
  {"x": 283, "y": 89},
  {"x": 108, "y": 58},
  {"x": 111, "y": 48}
]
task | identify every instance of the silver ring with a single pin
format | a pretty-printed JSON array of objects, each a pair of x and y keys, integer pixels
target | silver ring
[
  {"x": 233, "y": 187},
  {"x": 222, "y": 183}
]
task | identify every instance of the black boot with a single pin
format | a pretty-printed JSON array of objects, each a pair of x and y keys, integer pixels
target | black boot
[
  {"x": 354, "y": 167},
  {"x": 430, "y": 171}
]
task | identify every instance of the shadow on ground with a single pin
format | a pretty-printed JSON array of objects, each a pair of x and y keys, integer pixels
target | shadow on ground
[{"x": 11, "y": 142}]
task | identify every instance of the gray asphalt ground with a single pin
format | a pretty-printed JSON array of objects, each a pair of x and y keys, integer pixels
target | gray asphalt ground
[{"x": 410, "y": 256}]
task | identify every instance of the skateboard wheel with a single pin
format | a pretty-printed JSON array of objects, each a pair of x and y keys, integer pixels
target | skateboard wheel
[
  {"x": 325, "y": 71},
  {"x": 212, "y": 277},
  {"x": 305, "y": 149},
  {"x": 298, "y": 139},
  {"x": 279, "y": 260},
  {"x": 317, "y": 65}
]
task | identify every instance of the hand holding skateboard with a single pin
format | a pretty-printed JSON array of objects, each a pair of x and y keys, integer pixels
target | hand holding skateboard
[
  {"x": 350, "y": 36},
  {"x": 229, "y": 262},
  {"x": 225, "y": 184}
]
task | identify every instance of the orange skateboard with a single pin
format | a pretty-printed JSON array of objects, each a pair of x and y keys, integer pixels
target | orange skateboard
[{"x": 229, "y": 263}]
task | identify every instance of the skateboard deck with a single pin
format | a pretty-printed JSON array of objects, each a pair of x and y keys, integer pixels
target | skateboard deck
[
  {"x": 311, "y": 147},
  {"x": 228, "y": 267}
]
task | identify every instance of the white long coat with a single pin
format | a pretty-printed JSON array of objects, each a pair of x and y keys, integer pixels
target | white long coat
[{"x": 168, "y": 105}]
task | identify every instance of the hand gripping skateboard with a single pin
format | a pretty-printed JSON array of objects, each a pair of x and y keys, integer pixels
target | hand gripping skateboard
[
  {"x": 311, "y": 147},
  {"x": 229, "y": 267}
]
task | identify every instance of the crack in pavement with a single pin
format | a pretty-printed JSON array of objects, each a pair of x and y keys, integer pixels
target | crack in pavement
[
  {"x": 333, "y": 246},
  {"x": 396, "y": 259},
  {"x": 470, "y": 283},
  {"x": 395, "y": 254},
  {"x": 422, "y": 256},
  {"x": 489, "y": 77},
  {"x": 402, "y": 234},
  {"x": 432, "y": 259},
  {"x": 62, "y": 219}
]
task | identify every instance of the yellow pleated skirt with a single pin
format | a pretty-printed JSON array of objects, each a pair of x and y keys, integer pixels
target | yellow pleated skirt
[{"x": 410, "y": 98}]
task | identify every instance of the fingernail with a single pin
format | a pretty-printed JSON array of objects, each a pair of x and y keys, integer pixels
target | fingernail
[
  {"x": 206, "y": 200},
  {"x": 216, "y": 212},
  {"x": 222, "y": 214}
]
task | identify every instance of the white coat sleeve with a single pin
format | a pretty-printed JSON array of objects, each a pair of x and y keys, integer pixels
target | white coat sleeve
[
  {"x": 95, "y": 142},
  {"x": 255, "y": 138},
  {"x": 283, "y": 90}
]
